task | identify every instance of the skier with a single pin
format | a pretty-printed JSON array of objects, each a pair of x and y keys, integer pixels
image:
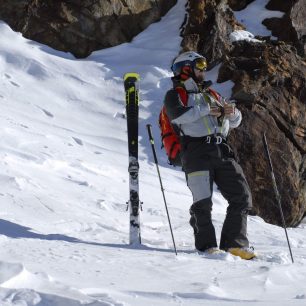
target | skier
[{"x": 204, "y": 119}]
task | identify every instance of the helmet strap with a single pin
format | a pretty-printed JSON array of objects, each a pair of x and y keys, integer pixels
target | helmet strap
[{"x": 186, "y": 73}]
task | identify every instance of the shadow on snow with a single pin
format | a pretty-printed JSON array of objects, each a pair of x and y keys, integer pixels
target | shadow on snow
[{"x": 16, "y": 231}]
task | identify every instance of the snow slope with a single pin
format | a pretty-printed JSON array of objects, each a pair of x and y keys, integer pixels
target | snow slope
[{"x": 64, "y": 185}]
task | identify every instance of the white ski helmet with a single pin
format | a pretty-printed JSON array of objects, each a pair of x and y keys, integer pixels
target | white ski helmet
[{"x": 185, "y": 63}]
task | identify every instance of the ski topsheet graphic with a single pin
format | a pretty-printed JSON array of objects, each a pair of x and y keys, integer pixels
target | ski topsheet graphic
[{"x": 131, "y": 86}]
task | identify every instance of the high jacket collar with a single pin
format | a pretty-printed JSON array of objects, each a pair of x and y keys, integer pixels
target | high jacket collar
[{"x": 190, "y": 85}]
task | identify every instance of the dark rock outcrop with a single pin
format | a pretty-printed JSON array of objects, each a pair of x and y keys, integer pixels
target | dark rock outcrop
[
  {"x": 13, "y": 12},
  {"x": 237, "y": 5},
  {"x": 292, "y": 27},
  {"x": 208, "y": 29},
  {"x": 270, "y": 89},
  {"x": 83, "y": 26}
]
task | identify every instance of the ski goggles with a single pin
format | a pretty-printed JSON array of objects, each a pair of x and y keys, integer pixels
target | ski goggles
[{"x": 200, "y": 63}]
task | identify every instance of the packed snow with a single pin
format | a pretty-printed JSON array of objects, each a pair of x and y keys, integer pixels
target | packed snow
[
  {"x": 243, "y": 35},
  {"x": 64, "y": 187}
]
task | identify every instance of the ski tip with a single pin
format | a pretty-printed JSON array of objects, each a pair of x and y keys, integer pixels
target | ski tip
[{"x": 131, "y": 75}]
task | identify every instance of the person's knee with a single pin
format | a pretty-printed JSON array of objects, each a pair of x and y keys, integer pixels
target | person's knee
[
  {"x": 201, "y": 207},
  {"x": 200, "y": 213},
  {"x": 241, "y": 208}
]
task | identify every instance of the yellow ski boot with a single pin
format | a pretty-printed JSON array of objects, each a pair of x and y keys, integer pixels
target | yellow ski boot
[{"x": 244, "y": 253}]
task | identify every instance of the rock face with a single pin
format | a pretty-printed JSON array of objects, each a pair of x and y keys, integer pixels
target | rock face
[
  {"x": 13, "y": 12},
  {"x": 292, "y": 27},
  {"x": 82, "y": 26},
  {"x": 270, "y": 89},
  {"x": 209, "y": 24},
  {"x": 238, "y": 5}
]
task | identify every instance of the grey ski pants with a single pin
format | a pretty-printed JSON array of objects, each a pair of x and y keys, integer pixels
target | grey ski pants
[{"x": 207, "y": 163}]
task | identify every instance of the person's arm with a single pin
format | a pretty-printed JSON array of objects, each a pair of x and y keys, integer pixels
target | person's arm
[{"x": 178, "y": 113}]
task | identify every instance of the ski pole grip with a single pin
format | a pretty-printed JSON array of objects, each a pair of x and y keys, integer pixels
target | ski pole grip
[{"x": 149, "y": 127}]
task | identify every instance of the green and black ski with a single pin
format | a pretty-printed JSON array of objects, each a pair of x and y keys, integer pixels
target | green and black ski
[{"x": 131, "y": 86}]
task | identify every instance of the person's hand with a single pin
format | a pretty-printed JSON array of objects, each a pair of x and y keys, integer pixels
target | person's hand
[
  {"x": 215, "y": 111},
  {"x": 229, "y": 109}
]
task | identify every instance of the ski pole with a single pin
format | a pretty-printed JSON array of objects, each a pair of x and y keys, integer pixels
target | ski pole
[
  {"x": 160, "y": 181},
  {"x": 278, "y": 197}
]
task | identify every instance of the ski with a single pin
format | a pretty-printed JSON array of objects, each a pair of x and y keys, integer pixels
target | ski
[{"x": 131, "y": 86}]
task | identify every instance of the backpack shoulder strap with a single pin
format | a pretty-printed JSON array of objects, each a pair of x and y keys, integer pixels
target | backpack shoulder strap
[
  {"x": 215, "y": 94},
  {"x": 183, "y": 94}
]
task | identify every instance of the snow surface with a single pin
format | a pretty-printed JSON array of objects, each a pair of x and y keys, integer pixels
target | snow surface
[{"x": 64, "y": 184}]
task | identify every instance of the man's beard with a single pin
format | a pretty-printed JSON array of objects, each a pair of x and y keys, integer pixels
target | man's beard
[{"x": 200, "y": 78}]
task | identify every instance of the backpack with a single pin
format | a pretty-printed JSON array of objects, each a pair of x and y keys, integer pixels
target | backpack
[{"x": 170, "y": 132}]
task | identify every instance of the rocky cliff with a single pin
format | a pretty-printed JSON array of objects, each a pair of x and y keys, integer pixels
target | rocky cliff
[
  {"x": 13, "y": 12},
  {"x": 82, "y": 26},
  {"x": 291, "y": 28},
  {"x": 269, "y": 78}
]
